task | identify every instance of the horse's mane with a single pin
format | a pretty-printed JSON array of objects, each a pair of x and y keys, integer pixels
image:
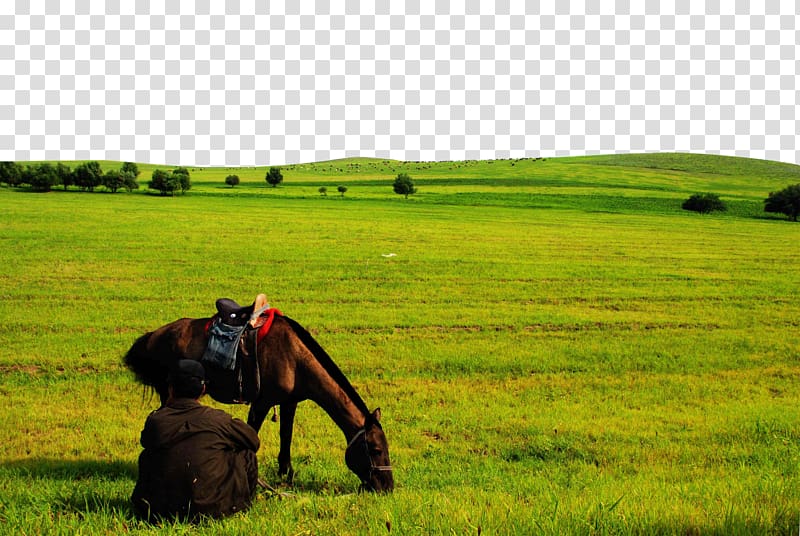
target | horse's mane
[{"x": 327, "y": 363}]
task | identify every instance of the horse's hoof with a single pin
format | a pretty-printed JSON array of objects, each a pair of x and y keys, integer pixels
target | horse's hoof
[
  {"x": 288, "y": 475},
  {"x": 285, "y": 469}
]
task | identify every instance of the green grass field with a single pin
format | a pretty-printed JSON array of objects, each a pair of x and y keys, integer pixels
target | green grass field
[{"x": 556, "y": 346}]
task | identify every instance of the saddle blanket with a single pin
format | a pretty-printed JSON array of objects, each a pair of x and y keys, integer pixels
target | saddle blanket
[{"x": 223, "y": 340}]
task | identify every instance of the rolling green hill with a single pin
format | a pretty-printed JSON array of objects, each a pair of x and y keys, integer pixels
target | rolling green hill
[
  {"x": 557, "y": 347},
  {"x": 625, "y": 183}
]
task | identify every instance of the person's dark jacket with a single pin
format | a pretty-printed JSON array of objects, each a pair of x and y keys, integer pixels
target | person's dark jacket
[{"x": 196, "y": 460}]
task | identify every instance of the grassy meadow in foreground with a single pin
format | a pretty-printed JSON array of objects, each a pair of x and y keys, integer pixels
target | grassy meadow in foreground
[{"x": 555, "y": 345}]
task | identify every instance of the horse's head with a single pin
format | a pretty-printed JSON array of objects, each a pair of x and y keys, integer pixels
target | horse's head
[{"x": 367, "y": 455}]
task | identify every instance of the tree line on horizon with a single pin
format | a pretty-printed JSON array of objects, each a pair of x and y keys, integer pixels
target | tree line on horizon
[{"x": 44, "y": 176}]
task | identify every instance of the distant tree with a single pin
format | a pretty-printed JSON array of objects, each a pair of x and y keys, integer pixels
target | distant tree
[
  {"x": 403, "y": 185},
  {"x": 274, "y": 176},
  {"x": 341, "y": 189},
  {"x": 323, "y": 190},
  {"x": 181, "y": 175},
  {"x": 88, "y": 176},
  {"x": 786, "y": 201},
  {"x": 130, "y": 168},
  {"x": 10, "y": 173},
  {"x": 170, "y": 182},
  {"x": 130, "y": 182},
  {"x": 164, "y": 182},
  {"x": 26, "y": 175},
  {"x": 704, "y": 203},
  {"x": 42, "y": 177},
  {"x": 129, "y": 171},
  {"x": 66, "y": 177},
  {"x": 113, "y": 180},
  {"x": 158, "y": 181},
  {"x": 232, "y": 180}
]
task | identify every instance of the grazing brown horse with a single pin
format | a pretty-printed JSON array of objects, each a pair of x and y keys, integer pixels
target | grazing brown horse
[{"x": 292, "y": 367}]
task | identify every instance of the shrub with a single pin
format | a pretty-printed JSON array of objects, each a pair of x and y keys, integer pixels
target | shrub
[
  {"x": 704, "y": 203},
  {"x": 786, "y": 201}
]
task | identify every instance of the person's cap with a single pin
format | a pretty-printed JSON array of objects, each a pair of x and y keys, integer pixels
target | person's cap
[{"x": 188, "y": 369}]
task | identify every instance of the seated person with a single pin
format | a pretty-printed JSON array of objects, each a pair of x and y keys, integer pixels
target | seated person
[{"x": 196, "y": 460}]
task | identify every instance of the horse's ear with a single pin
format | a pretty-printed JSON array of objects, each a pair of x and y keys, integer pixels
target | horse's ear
[{"x": 377, "y": 414}]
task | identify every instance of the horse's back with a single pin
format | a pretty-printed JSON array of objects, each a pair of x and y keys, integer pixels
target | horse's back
[{"x": 185, "y": 338}]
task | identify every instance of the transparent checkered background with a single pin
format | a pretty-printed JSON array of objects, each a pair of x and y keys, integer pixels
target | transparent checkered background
[{"x": 254, "y": 82}]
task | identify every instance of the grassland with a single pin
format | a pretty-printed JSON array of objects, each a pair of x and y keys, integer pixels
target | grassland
[{"x": 556, "y": 346}]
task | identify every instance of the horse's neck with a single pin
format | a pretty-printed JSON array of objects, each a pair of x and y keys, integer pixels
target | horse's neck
[
  {"x": 323, "y": 390},
  {"x": 344, "y": 412},
  {"x": 315, "y": 381}
]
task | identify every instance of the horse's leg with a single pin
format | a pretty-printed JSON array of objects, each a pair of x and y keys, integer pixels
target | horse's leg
[
  {"x": 288, "y": 410},
  {"x": 257, "y": 414}
]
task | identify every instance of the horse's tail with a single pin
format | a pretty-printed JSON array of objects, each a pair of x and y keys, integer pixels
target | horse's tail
[{"x": 138, "y": 361}]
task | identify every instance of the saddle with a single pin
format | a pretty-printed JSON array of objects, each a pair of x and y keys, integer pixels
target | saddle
[
  {"x": 233, "y": 314},
  {"x": 233, "y": 334}
]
